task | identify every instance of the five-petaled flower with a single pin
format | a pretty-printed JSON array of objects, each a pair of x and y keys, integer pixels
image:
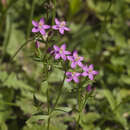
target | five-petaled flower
[
  {"x": 72, "y": 76},
  {"x": 40, "y": 26},
  {"x": 88, "y": 71},
  {"x": 61, "y": 26},
  {"x": 75, "y": 59},
  {"x": 60, "y": 52}
]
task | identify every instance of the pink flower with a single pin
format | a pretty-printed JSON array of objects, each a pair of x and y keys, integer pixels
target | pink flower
[
  {"x": 60, "y": 52},
  {"x": 72, "y": 76},
  {"x": 61, "y": 26},
  {"x": 40, "y": 26},
  {"x": 88, "y": 71},
  {"x": 75, "y": 59}
]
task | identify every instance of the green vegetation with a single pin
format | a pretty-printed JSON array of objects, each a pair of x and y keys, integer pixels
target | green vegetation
[{"x": 100, "y": 31}]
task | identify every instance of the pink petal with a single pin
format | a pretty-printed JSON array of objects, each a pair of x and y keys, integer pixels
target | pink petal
[
  {"x": 35, "y": 30},
  {"x": 46, "y": 26},
  {"x": 80, "y": 64},
  {"x": 68, "y": 80},
  {"x": 70, "y": 58},
  {"x": 91, "y": 67},
  {"x": 94, "y": 72},
  {"x": 42, "y": 21},
  {"x": 42, "y": 31},
  {"x": 63, "y": 46},
  {"x": 81, "y": 58},
  {"x": 57, "y": 56},
  {"x": 90, "y": 76},
  {"x": 75, "y": 54},
  {"x": 85, "y": 68},
  {"x": 66, "y": 29},
  {"x": 57, "y": 21},
  {"x": 68, "y": 73},
  {"x": 73, "y": 64},
  {"x": 67, "y": 52},
  {"x": 61, "y": 30},
  {"x": 77, "y": 74},
  {"x": 55, "y": 27},
  {"x": 56, "y": 48},
  {"x": 63, "y": 57},
  {"x": 85, "y": 74},
  {"x": 76, "y": 79},
  {"x": 35, "y": 23}
]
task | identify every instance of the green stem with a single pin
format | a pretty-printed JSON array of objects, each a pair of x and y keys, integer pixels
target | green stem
[
  {"x": 30, "y": 19},
  {"x": 79, "y": 107},
  {"x": 59, "y": 94},
  {"x": 56, "y": 102},
  {"x": 21, "y": 47},
  {"x": 54, "y": 12}
]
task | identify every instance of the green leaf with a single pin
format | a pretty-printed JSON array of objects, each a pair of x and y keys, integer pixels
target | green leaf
[
  {"x": 90, "y": 117},
  {"x": 110, "y": 98},
  {"x": 34, "y": 119},
  {"x": 64, "y": 109}
]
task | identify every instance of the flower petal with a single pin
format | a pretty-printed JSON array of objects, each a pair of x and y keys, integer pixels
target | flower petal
[
  {"x": 75, "y": 54},
  {"x": 42, "y": 31},
  {"x": 70, "y": 58},
  {"x": 81, "y": 58},
  {"x": 84, "y": 74},
  {"x": 73, "y": 64},
  {"x": 63, "y": 47},
  {"x": 67, "y": 52},
  {"x": 77, "y": 74},
  {"x": 57, "y": 56},
  {"x": 91, "y": 67},
  {"x": 68, "y": 80},
  {"x": 94, "y": 72},
  {"x": 35, "y": 30},
  {"x": 76, "y": 79},
  {"x": 80, "y": 64},
  {"x": 90, "y": 76},
  {"x": 63, "y": 57},
  {"x": 46, "y": 26},
  {"x": 66, "y": 29},
  {"x": 56, "y": 48},
  {"x": 57, "y": 21},
  {"x": 55, "y": 27},
  {"x": 42, "y": 21},
  {"x": 35, "y": 23},
  {"x": 68, "y": 74},
  {"x": 85, "y": 68},
  {"x": 61, "y": 30}
]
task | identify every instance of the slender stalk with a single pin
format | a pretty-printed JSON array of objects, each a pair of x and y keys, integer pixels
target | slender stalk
[
  {"x": 56, "y": 102},
  {"x": 30, "y": 18},
  {"x": 59, "y": 94},
  {"x": 21, "y": 47},
  {"x": 54, "y": 12},
  {"x": 79, "y": 107}
]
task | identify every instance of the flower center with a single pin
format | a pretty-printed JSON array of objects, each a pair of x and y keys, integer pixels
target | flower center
[
  {"x": 73, "y": 73},
  {"x": 40, "y": 25},
  {"x": 61, "y": 50},
  {"x": 77, "y": 58},
  {"x": 90, "y": 71},
  {"x": 62, "y": 24}
]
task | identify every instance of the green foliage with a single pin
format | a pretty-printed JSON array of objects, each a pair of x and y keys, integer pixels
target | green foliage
[{"x": 100, "y": 31}]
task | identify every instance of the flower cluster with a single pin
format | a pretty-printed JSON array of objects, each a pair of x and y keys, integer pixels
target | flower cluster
[
  {"x": 62, "y": 53},
  {"x": 76, "y": 60},
  {"x": 41, "y": 26}
]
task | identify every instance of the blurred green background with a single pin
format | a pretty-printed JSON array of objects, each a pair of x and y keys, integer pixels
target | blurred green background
[{"x": 100, "y": 31}]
